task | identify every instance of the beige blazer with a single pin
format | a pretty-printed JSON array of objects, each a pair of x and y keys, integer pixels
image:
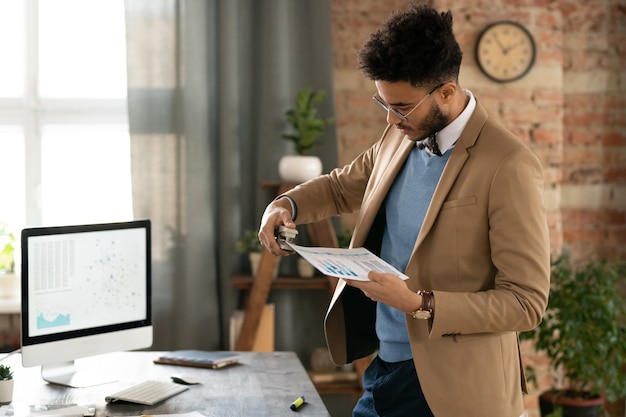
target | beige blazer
[{"x": 483, "y": 250}]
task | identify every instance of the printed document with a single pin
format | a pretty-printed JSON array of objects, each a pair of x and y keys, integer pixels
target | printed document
[{"x": 353, "y": 263}]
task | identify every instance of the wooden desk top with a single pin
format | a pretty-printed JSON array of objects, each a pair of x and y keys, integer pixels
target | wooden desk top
[{"x": 263, "y": 384}]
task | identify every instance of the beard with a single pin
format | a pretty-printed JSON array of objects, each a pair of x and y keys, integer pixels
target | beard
[{"x": 435, "y": 121}]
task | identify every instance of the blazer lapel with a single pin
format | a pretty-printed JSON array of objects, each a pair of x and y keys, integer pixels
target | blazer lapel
[
  {"x": 373, "y": 201},
  {"x": 453, "y": 168}
]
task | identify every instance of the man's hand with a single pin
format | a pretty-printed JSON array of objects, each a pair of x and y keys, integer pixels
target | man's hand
[
  {"x": 276, "y": 214},
  {"x": 388, "y": 289}
]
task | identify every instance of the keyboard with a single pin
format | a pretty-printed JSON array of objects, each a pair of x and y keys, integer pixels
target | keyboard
[{"x": 147, "y": 392}]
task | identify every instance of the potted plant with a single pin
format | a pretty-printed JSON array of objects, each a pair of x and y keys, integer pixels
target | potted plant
[
  {"x": 249, "y": 243},
  {"x": 8, "y": 279},
  {"x": 307, "y": 127},
  {"x": 583, "y": 333},
  {"x": 6, "y": 384}
]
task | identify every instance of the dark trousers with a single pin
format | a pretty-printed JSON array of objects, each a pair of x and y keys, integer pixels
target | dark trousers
[{"x": 391, "y": 390}]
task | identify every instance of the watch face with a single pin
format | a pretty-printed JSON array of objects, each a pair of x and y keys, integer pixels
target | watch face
[
  {"x": 505, "y": 51},
  {"x": 422, "y": 314}
]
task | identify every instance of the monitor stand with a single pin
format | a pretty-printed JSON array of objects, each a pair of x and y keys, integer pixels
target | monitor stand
[{"x": 67, "y": 374}]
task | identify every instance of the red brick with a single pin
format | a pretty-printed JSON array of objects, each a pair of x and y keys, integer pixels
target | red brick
[
  {"x": 582, "y": 137},
  {"x": 615, "y": 175},
  {"x": 582, "y": 101},
  {"x": 532, "y": 115},
  {"x": 613, "y": 139},
  {"x": 546, "y": 98},
  {"x": 581, "y": 216},
  {"x": 545, "y": 136},
  {"x": 616, "y": 119},
  {"x": 549, "y": 18},
  {"x": 616, "y": 237},
  {"x": 614, "y": 156},
  {"x": 616, "y": 217},
  {"x": 591, "y": 118},
  {"x": 588, "y": 236},
  {"x": 548, "y": 39},
  {"x": 583, "y": 156}
]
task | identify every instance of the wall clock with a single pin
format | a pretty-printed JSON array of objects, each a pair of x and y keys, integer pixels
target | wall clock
[{"x": 505, "y": 51}]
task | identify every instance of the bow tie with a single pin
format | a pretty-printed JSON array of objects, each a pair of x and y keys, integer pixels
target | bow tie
[{"x": 430, "y": 143}]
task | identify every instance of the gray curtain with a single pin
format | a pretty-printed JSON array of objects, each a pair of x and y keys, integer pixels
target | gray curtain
[{"x": 208, "y": 83}]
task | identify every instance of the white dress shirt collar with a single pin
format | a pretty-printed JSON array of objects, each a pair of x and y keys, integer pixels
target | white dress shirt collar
[{"x": 447, "y": 137}]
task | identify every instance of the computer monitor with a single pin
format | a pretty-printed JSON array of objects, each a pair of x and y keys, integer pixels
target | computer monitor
[{"x": 86, "y": 290}]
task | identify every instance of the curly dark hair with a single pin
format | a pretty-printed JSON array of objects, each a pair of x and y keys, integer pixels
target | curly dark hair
[{"x": 416, "y": 45}]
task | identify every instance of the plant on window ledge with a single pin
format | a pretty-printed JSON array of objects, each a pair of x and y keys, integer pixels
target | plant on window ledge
[{"x": 7, "y": 249}]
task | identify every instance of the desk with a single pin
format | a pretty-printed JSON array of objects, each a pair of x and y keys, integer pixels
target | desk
[{"x": 263, "y": 384}]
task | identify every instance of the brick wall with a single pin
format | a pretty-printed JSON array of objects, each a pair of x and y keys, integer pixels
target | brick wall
[
  {"x": 570, "y": 109},
  {"x": 594, "y": 175}
]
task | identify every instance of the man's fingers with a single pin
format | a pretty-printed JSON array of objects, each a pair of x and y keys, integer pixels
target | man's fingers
[{"x": 375, "y": 276}]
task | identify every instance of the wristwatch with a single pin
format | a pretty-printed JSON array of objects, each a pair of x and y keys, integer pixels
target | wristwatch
[{"x": 426, "y": 310}]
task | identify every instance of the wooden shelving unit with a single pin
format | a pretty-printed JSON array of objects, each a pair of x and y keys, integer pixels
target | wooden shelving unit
[{"x": 256, "y": 291}]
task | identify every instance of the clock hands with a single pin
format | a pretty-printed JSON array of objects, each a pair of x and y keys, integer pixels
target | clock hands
[
  {"x": 515, "y": 45},
  {"x": 505, "y": 50},
  {"x": 502, "y": 48}
]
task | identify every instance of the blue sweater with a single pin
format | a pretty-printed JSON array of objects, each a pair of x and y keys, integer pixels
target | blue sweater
[{"x": 405, "y": 209}]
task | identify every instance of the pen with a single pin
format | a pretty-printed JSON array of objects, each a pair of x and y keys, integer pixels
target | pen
[{"x": 299, "y": 402}]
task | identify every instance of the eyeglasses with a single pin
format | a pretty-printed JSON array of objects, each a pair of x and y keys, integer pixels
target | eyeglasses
[{"x": 396, "y": 112}]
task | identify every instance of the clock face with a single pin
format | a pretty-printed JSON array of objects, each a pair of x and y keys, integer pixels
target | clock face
[{"x": 505, "y": 51}]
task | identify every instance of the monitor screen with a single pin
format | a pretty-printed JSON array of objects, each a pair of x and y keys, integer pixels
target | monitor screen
[{"x": 86, "y": 290}]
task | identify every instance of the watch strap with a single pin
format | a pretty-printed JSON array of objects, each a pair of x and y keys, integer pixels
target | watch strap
[{"x": 426, "y": 310}]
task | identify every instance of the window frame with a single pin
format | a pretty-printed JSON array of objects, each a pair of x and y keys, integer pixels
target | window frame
[{"x": 31, "y": 112}]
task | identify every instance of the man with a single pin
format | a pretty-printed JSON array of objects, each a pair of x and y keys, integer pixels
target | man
[{"x": 452, "y": 198}]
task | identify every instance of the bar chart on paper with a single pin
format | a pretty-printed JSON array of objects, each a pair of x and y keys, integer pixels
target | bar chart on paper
[{"x": 353, "y": 263}]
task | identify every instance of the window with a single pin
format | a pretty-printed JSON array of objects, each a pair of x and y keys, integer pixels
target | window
[{"x": 64, "y": 141}]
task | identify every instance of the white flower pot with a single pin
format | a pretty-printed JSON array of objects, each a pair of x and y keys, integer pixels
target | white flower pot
[
  {"x": 6, "y": 391},
  {"x": 299, "y": 168}
]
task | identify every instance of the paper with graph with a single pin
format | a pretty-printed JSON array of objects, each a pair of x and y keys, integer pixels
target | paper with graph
[{"x": 354, "y": 263}]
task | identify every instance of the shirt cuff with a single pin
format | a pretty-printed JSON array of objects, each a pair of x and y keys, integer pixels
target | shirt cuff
[{"x": 294, "y": 208}]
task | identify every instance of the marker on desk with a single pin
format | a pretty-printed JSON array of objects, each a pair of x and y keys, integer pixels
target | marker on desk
[{"x": 299, "y": 402}]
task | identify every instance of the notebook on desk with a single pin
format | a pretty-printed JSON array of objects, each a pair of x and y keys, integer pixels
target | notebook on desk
[{"x": 199, "y": 358}]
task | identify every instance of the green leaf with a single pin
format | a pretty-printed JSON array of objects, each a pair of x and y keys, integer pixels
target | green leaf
[
  {"x": 304, "y": 119},
  {"x": 7, "y": 248},
  {"x": 584, "y": 327}
]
